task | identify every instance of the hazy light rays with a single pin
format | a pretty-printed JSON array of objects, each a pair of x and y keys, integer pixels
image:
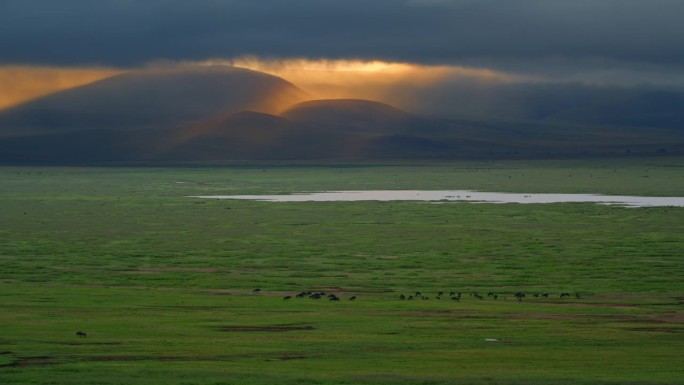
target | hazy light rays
[
  {"x": 305, "y": 71},
  {"x": 23, "y": 83},
  {"x": 395, "y": 83}
]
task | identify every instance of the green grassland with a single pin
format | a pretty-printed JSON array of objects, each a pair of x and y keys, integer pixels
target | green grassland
[{"x": 162, "y": 283}]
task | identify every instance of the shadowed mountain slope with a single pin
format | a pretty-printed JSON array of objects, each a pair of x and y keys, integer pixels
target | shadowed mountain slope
[
  {"x": 348, "y": 115},
  {"x": 245, "y": 135}
]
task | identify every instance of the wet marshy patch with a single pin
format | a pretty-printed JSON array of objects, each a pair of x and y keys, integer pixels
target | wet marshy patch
[
  {"x": 272, "y": 329},
  {"x": 80, "y": 343},
  {"x": 293, "y": 356},
  {"x": 615, "y": 318},
  {"x": 656, "y": 329},
  {"x": 21, "y": 362},
  {"x": 271, "y": 356},
  {"x": 135, "y": 358}
]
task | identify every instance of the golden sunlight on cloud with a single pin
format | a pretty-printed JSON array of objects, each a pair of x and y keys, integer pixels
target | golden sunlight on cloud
[
  {"x": 20, "y": 84},
  {"x": 399, "y": 84},
  {"x": 376, "y": 80}
]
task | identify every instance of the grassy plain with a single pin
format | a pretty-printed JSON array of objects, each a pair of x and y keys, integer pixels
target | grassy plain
[{"x": 163, "y": 284}]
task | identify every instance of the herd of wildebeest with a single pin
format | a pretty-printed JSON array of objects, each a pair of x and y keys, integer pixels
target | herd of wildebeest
[
  {"x": 453, "y": 296},
  {"x": 456, "y": 296}
]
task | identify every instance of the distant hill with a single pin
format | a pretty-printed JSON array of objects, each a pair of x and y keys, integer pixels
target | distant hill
[
  {"x": 348, "y": 115},
  {"x": 153, "y": 98},
  {"x": 570, "y": 103},
  {"x": 243, "y": 135}
]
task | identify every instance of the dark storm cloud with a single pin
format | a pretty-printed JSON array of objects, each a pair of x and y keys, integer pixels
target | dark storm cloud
[{"x": 494, "y": 33}]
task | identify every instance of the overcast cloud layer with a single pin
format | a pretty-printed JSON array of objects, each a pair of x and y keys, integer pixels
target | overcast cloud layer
[{"x": 511, "y": 35}]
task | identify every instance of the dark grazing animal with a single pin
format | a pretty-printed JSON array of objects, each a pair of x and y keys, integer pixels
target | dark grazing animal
[
  {"x": 353, "y": 297},
  {"x": 287, "y": 297},
  {"x": 256, "y": 290},
  {"x": 81, "y": 334}
]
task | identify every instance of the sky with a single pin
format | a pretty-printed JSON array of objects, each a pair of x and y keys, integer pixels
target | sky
[{"x": 385, "y": 47}]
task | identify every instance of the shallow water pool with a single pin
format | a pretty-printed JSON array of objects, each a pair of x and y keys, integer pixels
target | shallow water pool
[{"x": 458, "y": 195}]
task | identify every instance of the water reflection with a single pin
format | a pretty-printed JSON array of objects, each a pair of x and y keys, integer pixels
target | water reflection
[{"x": 458, "y": 195}]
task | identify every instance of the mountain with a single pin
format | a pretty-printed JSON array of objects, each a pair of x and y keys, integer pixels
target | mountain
[
  {"x": 159, "y": 97},
  {"x": 569, "y": 103},
  {"x": 348, "y": 115},
  {"x": 243, "y": 135},
  {"x": 186, "y": 114}
]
